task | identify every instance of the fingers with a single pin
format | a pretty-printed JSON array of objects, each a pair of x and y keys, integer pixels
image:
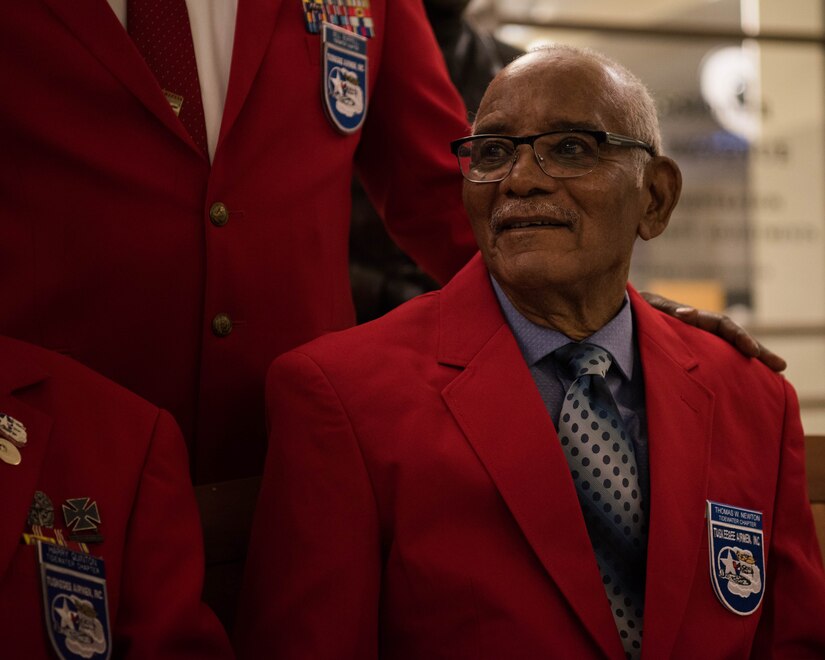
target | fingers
[
  {"x": 771, "y": 359},
  {"x": 689, "y": 315},
  {"x": 733, "y": 333},
  {"x": 666, "y": 305},
  {"x": 720, "y": 325}
]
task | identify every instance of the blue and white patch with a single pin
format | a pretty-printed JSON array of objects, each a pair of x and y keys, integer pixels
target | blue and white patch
[
  {"x": 345, "y": 78},
  {"x": 737, "y": 558},
  {"x": 75, "y": 603}
]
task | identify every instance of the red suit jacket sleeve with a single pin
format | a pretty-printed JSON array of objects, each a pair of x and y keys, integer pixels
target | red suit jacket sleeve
[
  {"x": 794, "y": 572},
  {"x": 161, "y": 613},
  {"x": 313, "y": 588},
  {"x": 404, "y": 155}
]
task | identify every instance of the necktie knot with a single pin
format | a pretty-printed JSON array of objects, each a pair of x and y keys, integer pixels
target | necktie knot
[{"x": 584, "y": 360}]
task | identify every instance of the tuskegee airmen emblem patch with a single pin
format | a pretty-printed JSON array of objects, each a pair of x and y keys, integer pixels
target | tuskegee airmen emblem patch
[
  {"x": 75, "y": 603},
  {"x": 737, "y": 558},
  {"x": 345, "y": 78}
]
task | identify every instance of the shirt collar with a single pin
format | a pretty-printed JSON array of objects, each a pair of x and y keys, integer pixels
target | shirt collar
[{"x": 536, "y": 341}]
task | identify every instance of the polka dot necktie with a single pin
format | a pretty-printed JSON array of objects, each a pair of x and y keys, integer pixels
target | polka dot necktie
[
  {"x": 603, "y": 466},
  {"x": 162, "y": 34}
]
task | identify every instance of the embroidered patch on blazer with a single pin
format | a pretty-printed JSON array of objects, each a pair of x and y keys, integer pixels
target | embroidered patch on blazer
[
  {"x": 344, "y": 78},
  {"x": 737, "y": 559},
  {"x": 75, "y": 603}
]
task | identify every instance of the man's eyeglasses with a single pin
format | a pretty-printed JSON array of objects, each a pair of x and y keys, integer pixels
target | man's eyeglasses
[{"x": 560, "y": 154}]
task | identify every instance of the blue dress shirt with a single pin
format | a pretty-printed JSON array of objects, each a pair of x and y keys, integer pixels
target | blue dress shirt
[{"x": 624, "y": 379}]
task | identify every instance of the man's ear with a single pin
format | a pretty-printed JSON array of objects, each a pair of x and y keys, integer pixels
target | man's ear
[{"x": 663, "y": 185}]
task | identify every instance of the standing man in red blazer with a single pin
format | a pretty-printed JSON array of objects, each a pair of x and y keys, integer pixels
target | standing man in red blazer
[
  {"x": 532, "y": 463},
  {"x": 100, "y": 546},
  {"x": 180, "y": 268}
]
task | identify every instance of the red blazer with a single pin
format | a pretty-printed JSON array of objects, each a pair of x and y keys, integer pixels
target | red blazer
[
  {"x": 108, "y": 251},
  {"x": 417, "y": 503},
  {"x": 88, "y": 437}
]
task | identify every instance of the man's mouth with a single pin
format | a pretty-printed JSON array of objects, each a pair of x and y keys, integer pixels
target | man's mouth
[
  {"x": 526, "y": 224},
  {"x": 500, "y": 224},
  {"x": 532, "y": 214}
]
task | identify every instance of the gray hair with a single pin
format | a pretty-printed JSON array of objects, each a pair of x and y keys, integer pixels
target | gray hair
[{"x": 630, "y": 99}]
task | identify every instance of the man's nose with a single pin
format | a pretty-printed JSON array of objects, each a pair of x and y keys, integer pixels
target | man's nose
[{"x": 526, "y": 176}]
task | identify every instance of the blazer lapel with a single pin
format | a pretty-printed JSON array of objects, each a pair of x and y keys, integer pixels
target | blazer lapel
[
  {"x": 254, "y": 25},
  {"x": 497, "y": 405},
  {"x": 18, "y": 482},
  {"x": 680, "y": 419},
  {"x": 99, "y": 30}
]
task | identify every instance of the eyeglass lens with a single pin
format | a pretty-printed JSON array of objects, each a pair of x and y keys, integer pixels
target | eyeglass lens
[{"x": 568, "y": 154}]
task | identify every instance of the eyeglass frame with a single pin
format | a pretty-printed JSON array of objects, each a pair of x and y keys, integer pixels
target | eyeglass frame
[{"x": 602, "y": 137}]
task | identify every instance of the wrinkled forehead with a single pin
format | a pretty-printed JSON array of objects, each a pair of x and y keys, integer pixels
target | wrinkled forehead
[{"x": 545, "y": 91}]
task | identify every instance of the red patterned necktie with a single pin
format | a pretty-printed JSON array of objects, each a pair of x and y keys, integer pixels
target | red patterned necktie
[{"x": 161, "y": 31}]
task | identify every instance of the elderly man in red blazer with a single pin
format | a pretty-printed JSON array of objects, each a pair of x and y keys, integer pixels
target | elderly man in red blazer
[
  {"x": 101, "y": 552},
  {"x": 532, "y": 463}
]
